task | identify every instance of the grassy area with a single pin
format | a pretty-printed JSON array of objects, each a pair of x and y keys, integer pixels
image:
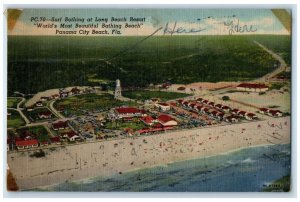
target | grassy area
[
  {"x": 12, "y": 102},
  {"x": 124, "y": 125},
  {"x": 82, "y": 104},
  {"x": 178, "y": 59},
  {"x": 279, "y": 44},
  {"x": 277, "y": 86},
  {"x": 33, "y": 115},
  {"x": 145, "y": 95},
  {"x": 282, "y": 184},
  {"x": 38, "y": 132},
  {"x": 14, "y": 120}
]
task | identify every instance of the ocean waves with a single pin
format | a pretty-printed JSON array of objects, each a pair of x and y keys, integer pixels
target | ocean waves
[{"x": 239, "y": 171}]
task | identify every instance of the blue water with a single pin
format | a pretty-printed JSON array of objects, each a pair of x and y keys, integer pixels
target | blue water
[{"x": 245, "y": 170}]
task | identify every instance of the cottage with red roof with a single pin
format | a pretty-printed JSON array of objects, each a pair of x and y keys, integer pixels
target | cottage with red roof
[
  {"x": 218, "y": 106},
  {"x": 199, "y": 99},
  {"x": 214, "y": 113},
  {"x": 75, "y": 91},
  {"x": 63, "y": 93},
  {"x": 55, "y": 140},
  {"x": 232, "y": 119},
  {"x": 235, "y": 111},
  {"x": 45, "y": 115},
  {"x": 199, "y": 107},
  {"x": 252, "y": 87},
  {"x": 61, "y": 125},
  {"x": 220, "y": 115},
  {"x": 148, "y": 120},
  {"x": 180, "y": 101},
  {"x": 163, "y": 106},
  {"x": 26, "y": 144},
  {"x": 205, "y": 101},
  {"x": 212, "y": 104},
  {"x": 242, "y": 113},
  {"x": 205, "y": 110},
  {"x": 185, "y": 103},
  {"x": 127, "y": 112},
  {"x": 275, "y": 113},
  {"x": 225, "y": 108},
  {"x": 71, "y": 136},
  {"x": 263, "y": 110},
  {"x": 181, "y": 88},
  {"x": 250, "y": 116},
  {"x": 166, "y": 120}
]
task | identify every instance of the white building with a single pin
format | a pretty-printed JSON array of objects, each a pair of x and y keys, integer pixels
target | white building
[
  {"x": 252, "y": 87},
  {"x": 163, "y": 106}
]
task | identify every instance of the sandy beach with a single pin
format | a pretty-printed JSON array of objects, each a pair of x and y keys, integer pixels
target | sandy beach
[{"x": 88, "y": 160}]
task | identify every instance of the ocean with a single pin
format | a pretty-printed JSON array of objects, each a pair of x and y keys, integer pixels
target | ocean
[{"x": 245, "y": 170}]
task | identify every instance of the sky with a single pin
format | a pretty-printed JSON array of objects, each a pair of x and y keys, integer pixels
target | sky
[{"x": 208, "y": 21}]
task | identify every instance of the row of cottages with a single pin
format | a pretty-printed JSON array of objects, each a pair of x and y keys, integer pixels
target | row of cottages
[
  {"x": 217, "y": 114},
  {"x": 163, "y": 106},
  {"x": 163, "y": 119},
  {"x": 26, "y": 144},
  {"x": 270, "y": 112},
  {"x": 222, "y": 107},
  {"x": 62, "y": 93},
  {"x": 128, "y": 112},
  {"x": 252, "y": 87},
  {"x": 65, "y": 93},
  {"x": 33, "y": 143},
  {"x": 244, "y": 114},
  {"x": 45, "y": 115},
  {"x": 60, "y": 125},
  {"x": 212, "y": 104}
]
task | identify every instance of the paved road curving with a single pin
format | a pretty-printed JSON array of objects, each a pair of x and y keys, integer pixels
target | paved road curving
[
  {"x": 54, "y": 111},
  {"x": 20, "y": 111},
  {"x": 282, "y": 67}
]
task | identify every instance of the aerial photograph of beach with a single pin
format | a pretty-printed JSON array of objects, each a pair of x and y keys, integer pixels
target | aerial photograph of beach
[{"x": 148, "y": 100}]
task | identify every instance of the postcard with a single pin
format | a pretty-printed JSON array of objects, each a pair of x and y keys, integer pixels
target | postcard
[{"x": 149, "y": 99}]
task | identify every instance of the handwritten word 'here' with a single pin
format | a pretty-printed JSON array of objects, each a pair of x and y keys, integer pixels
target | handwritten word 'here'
[
  {"x": 237, "y": 28},
  {"x": 179, "y": 30}
]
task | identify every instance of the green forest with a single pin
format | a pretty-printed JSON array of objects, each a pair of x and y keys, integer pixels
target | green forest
[{"x": 38, "y": 63}]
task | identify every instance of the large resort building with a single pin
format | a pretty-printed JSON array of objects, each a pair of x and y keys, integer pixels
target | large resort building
[
  {"x": 127, "y": 112},
  {"x": 252, "y": 87}
]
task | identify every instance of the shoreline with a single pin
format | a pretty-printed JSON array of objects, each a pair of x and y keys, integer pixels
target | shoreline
[
  {"x": 167, "y": 164},
  {"x": 102, "y": 159}
]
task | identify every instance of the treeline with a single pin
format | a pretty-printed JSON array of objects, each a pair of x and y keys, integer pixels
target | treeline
[{"x": 40, "y": 63}]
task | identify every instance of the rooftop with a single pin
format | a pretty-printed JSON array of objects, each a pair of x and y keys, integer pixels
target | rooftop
[
  {"x": 26, "y": 142},
  {"x": 252, "y": 85},
  {"x": 127, "y": 110},
  {"x": 164, "y": 118}
]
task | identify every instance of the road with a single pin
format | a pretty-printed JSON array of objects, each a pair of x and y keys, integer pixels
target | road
[
  {"x": 282, "y": 66},
  {"x": 53, "y": 110},
  {"x": 19, "y": 109}
]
